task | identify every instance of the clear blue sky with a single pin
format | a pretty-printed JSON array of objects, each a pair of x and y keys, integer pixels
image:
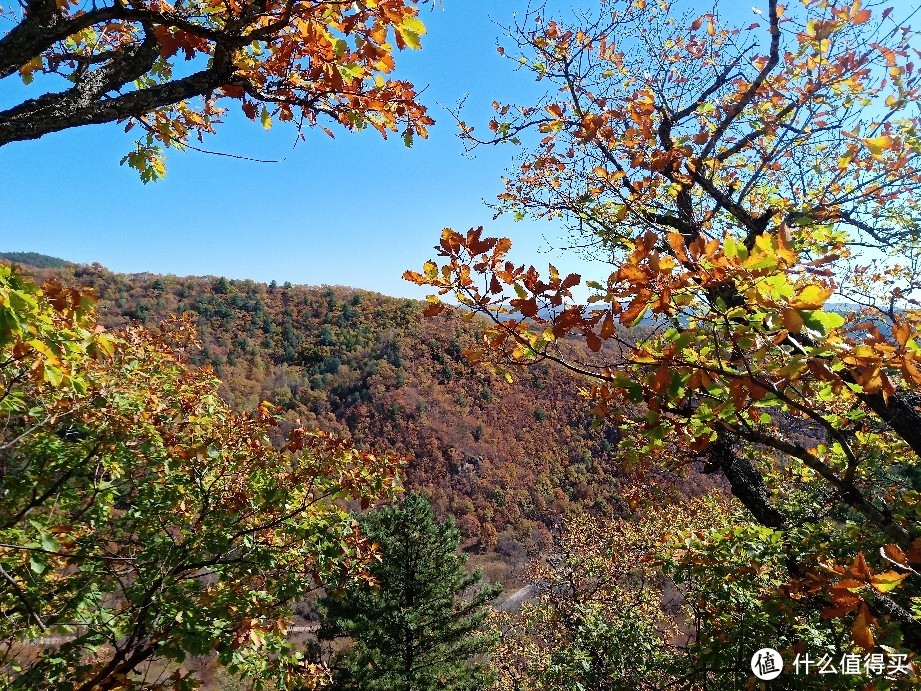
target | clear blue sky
[{"x": 355, "y": 211}]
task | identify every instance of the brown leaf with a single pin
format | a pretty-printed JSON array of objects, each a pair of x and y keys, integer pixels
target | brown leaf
[
  {"x": 860, "y": 568},
  {"x": 594, "y": 343},
  {"x": 837, "y": 611},
  {"x": 528, "y": 307},
  {"x": 607, "y": 326},
  {"x": 434, "y": 308},
  {"x": 895, "y": 553},
  {"x": 914, "y": 552}
]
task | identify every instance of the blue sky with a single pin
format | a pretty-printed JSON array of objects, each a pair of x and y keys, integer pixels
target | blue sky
[{"x": 355, "y": 211}]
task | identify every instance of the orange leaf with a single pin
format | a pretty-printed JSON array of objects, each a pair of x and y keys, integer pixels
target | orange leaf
[
  {"x": 635, "y": 308},
  {"x": 676, "y": 241},
  {"x": 792, "y": 320},
  {"x": 861, "y": 17},
  {"x": 570, "y": 281},
  {"x": 607, "y": 326},
  {"x": 860, "y": 630}
]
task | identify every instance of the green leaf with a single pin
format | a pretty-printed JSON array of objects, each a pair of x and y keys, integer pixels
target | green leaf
[
  {"x": 49, "y": 543},
  {"x": 823, "y": 322},
  {"x": 411, "y": 38}
]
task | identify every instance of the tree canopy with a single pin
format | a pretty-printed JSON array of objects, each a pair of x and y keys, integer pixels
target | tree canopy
[
  {"x": 731, "y": 182},
  {"x": 144, "y": 521},
  {"x": 173, "y": 69}
]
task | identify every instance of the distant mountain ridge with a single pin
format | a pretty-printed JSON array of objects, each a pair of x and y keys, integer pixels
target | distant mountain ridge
[{"x": 39, "y": 261}]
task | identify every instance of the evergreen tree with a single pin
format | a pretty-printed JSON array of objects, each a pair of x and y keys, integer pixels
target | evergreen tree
[{"x": 420, "y": 626}]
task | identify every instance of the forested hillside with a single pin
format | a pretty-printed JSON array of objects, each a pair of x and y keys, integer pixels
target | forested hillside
[
  {"x": 508, "y": 461},
  {"x": 42, "y": 261}
]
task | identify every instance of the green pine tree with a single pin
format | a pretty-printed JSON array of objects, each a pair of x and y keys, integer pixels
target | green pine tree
[{"x": 421, "y": 626}]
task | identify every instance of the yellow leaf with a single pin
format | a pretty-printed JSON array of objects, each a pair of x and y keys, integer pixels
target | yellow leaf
[
  {"x": 26, "y": 70},
  {"x": 887, "y": 580},
  {"x": 876, "y": 145},
  {"x": 784, "y": 250},
  {"x": 812, "y": 297}
]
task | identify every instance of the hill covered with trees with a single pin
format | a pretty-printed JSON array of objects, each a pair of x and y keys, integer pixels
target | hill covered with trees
[
  {"x": 507, "y": 460},
  {"x": 36, "y": 259}
]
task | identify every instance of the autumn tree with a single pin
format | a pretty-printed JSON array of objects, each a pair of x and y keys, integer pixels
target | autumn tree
[
  {"x": 143, "y": 521},
  {"x": 594, "y": 620},
  {"x": 678, "y": 597},
  {"x": 173, "y": 70},
  {"x": 419, "y": 624},
  {"x": 732, "y": 183}
]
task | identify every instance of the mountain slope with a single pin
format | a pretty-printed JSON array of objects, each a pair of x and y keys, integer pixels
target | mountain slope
[
  {"x": 506, "y": 460},
  {"x": 40, "y": 261}
]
